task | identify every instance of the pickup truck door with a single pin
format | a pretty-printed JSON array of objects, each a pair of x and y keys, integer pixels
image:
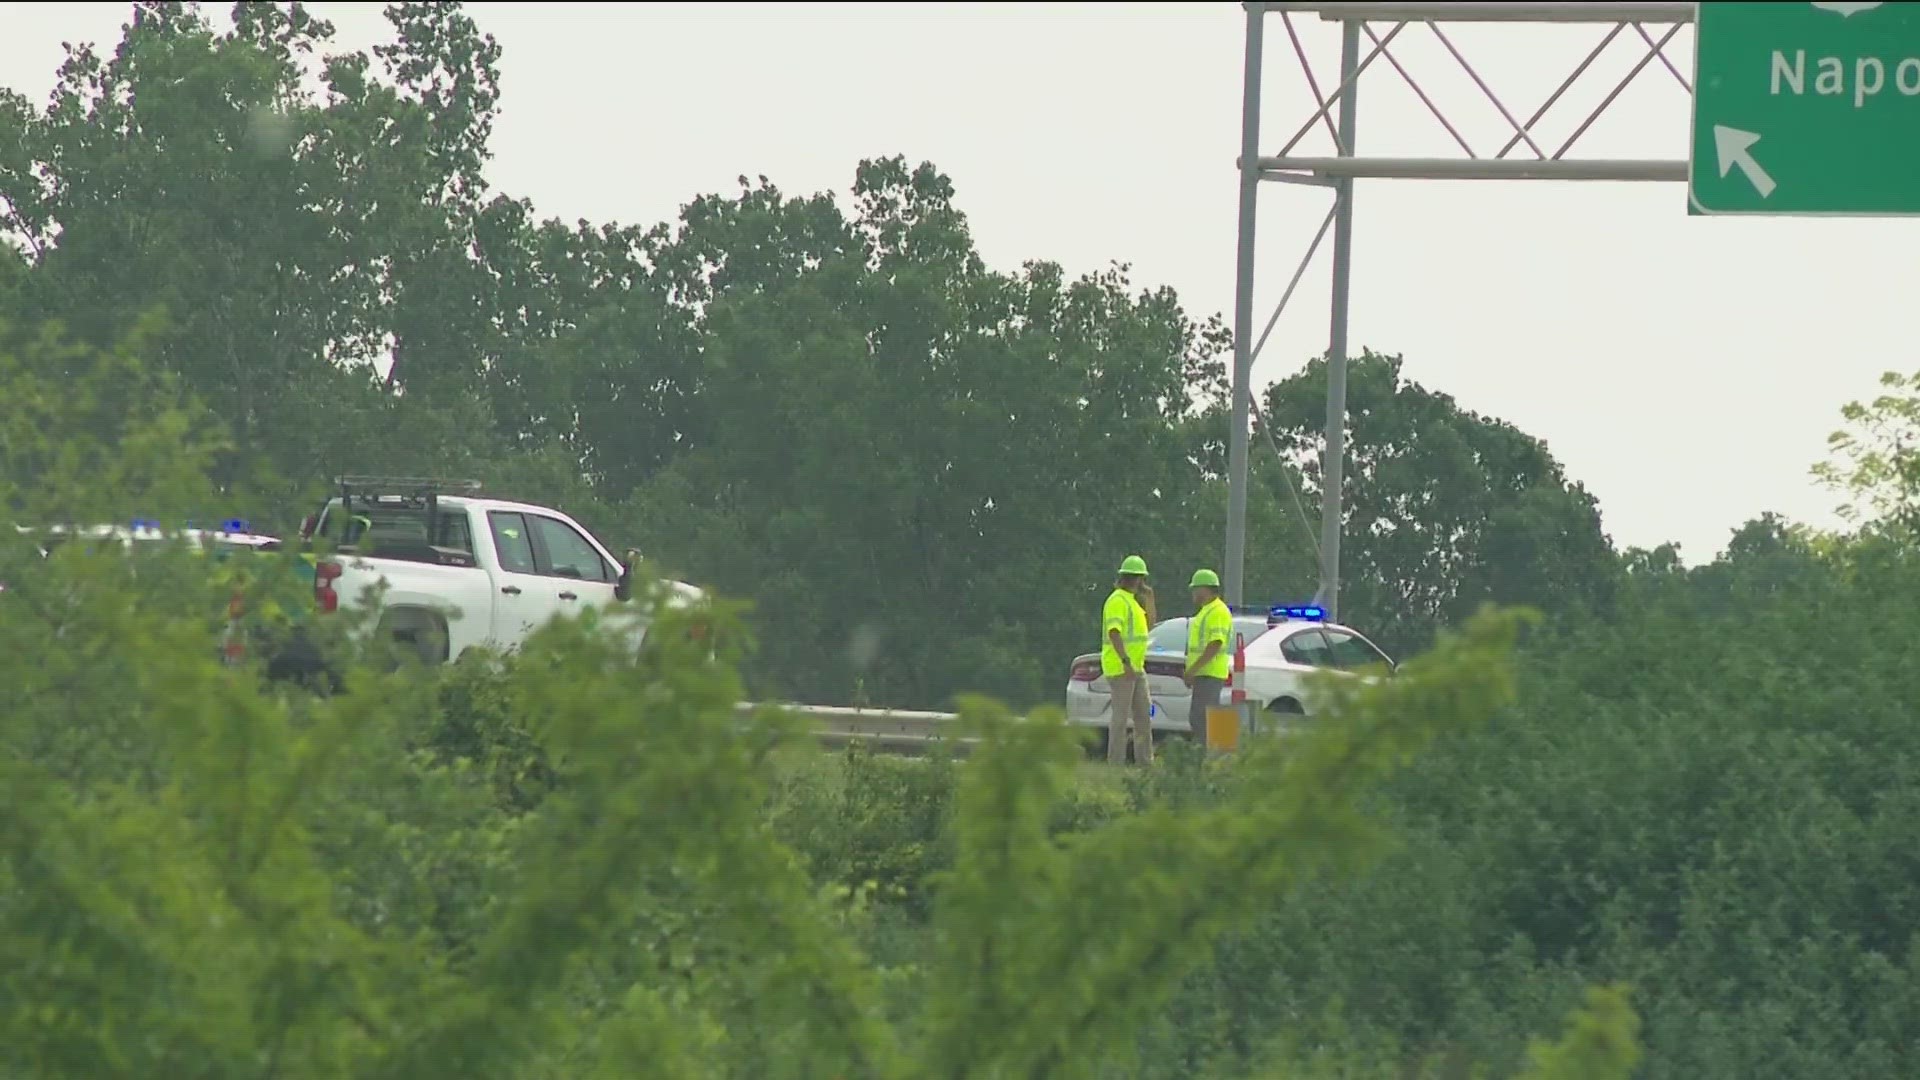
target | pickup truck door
[
  {"x": 576, "y": 576},
  {"x": 523, "y": 598}
]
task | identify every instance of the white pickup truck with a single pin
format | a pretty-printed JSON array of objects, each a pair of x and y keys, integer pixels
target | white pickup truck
[{"x": 461, "y": 571}]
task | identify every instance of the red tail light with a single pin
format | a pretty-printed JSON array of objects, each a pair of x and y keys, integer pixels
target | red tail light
[
  {"x": 1084, "y": 671},
  {"x": 324, "y": 575},
  {"x": 306, "y": 526}
]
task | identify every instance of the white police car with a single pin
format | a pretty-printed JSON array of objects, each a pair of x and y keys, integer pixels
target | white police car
[
  {"x": 1090, "y": 699},
  {"x": 1299, "y": 643},
  {"x": 232, "y": 533}
]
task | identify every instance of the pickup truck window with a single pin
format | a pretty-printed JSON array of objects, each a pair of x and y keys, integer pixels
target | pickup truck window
[
  {"x": 510, "y": 539},
  {"x": 566, "y": 553},
  {"x": 376, "y": 525}
]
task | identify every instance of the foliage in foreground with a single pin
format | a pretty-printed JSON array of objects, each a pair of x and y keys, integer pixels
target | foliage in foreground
[
  {"x": 1712, "y": 802},
  {"x": 224, "y": 879}
]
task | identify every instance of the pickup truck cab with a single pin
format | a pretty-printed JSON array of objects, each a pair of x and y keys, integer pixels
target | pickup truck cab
[{"x": 461, "y": 571}]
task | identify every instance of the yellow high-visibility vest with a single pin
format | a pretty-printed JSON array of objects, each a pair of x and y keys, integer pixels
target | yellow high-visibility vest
[
  {"x": 1213, "y": 622},
  {"x": 1123, "y": 613}
]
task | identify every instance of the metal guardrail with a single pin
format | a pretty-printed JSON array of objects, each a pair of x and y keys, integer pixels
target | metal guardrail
[
  {"x": 906, "y": 732},
  {"x": 895, "y": 731}
]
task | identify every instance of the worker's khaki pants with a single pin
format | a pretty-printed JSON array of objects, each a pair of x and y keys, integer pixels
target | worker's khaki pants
[
  {"x": 1206, "y": 695},
  {"x": 1131, "y": 709}
]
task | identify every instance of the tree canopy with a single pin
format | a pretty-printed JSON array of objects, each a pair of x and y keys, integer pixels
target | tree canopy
[
  {"x": 923, "y": 470},
  {"x": 1444, "y": 509}
]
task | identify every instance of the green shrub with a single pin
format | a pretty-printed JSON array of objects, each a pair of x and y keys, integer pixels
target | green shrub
[
  {"x": 574, "y": 863},
  {"x": 1711, "y": 800},
  {"x": 474, "y": 724}
]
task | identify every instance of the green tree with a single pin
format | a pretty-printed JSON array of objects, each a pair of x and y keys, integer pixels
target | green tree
[
  {"x": 1444, "y": 509},
  {"x": 85, "y": 434},
  {"x": 603, "y": 367},
  {"x": 13, "y": 276},
  {"x": 1878, "y": 455},
  {"x": 217, "y": 230},
  {"x": 962, "y": 455},
  {"x": 297, "y": 244},
  {"x": 445, "y": 76}
]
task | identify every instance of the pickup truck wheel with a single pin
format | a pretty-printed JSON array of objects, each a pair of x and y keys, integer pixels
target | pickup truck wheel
[
  {"x": 416, "y": 633},
  {"x": 1287, "y": 706}
]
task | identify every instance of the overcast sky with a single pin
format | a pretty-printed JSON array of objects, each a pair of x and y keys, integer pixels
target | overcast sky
[{"x": 1687, "y": 370}]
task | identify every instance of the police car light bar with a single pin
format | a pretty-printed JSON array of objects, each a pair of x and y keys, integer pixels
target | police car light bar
[
  {"x": 231, "y": 525},
  {"x": 1304, "y": 612}
]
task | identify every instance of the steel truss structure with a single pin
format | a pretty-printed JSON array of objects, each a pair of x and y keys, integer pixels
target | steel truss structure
[{"x": 1336, "y": 111}]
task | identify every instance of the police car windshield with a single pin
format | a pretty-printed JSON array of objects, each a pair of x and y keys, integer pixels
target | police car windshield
[{"x": 1171, "y": 635}]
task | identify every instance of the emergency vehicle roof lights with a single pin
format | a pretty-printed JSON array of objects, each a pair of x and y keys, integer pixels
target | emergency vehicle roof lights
[
  {"x": 230, "y": 525},
  {"x": 1303, "y": 612}
]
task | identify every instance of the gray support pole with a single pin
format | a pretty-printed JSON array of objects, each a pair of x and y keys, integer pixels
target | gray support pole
[
  {"x": 1236, "y": 561},
  {"x": 1333, "y": 466}
]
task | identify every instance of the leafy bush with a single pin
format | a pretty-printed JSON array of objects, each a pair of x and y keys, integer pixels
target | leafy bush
[
  {"x": 349, "y": 889},
  {"x": 581, "y": 860},
  {"x": 475, "y": 726},
  {"x": 1711, "y": 800}
]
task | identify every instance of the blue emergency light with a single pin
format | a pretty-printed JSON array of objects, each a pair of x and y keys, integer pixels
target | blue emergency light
[
  {"x": 231, "y": 525},
  {"x": 1304, "y": 612}
]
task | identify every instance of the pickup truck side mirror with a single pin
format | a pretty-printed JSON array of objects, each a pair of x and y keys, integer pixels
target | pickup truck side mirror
[{"x": 623, "y": 589}]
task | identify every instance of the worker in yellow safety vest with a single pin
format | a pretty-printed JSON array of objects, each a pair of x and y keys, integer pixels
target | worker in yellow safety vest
[
  {"x": 1124, "y": 622},
  {"x": 1207, "y": 634}
]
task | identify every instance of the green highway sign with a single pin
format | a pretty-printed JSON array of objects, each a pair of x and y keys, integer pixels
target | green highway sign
[{"x": 1806, "y": 108}]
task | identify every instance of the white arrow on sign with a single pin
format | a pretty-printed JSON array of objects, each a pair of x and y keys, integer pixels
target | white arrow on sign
[{"x": 1735, "y": 147}]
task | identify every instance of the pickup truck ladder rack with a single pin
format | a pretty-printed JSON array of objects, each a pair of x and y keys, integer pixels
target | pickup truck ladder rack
[{"x": 416, "y": 487}]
